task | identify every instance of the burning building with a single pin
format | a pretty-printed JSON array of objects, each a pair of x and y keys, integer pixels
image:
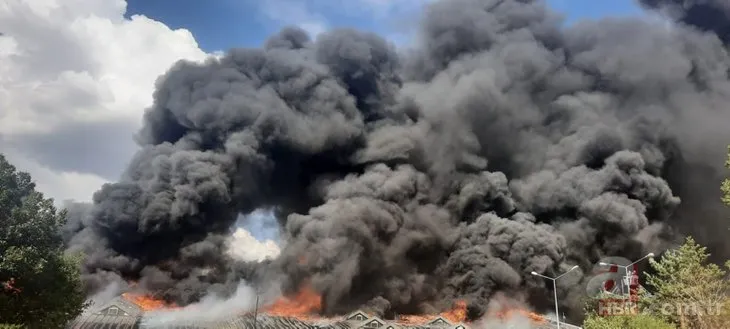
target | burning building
[
  {"x": 121, "y": 313},
  {"x": 503, "y": 142},
  {"x": 302, "y": 310}
]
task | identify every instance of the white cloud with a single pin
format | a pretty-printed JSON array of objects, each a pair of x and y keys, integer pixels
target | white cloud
[
  {"x": 244, "y": 246},
  {"x": 75, "y": 77},
  {"x": 62, "y": 185}
]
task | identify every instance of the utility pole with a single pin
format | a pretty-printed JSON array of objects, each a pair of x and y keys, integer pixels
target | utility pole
[
  {"x": 256, "y": 311},
  {"x": 555, "y": 290}
]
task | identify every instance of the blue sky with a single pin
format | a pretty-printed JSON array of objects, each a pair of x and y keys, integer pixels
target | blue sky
[{"x": 222, "y": 24}]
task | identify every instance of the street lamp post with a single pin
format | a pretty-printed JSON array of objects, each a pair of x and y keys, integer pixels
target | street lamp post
[
  {"x": 626, "y": 269},
  {"x": 256, "y": 309},
  {"x": 555, "y": 290}
]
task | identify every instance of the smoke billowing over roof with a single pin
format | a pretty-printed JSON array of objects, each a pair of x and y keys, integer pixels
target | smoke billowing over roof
[{"x": 503, "y": 143}]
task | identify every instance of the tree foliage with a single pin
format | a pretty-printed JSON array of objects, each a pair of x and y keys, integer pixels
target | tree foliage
[
  {"x": 11, "y": 326},
  {"x": 687, "y": 289},
  {"x": 40, "y": 287},
  {"x": 640, "y": 321},
  {"x": 684, "y": 291}
]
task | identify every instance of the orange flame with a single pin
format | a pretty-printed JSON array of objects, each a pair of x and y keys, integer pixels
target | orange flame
[
  {"x": 148, "y": 303},
  {"x": 302, "y": 260},
  {"x": 456, "y": 314},
  {"x": 509, "y": 313},
  {"x": 411, "y": 319},
  {"x": 306, "y": 304},
  {"x": 9, "y": 286}
]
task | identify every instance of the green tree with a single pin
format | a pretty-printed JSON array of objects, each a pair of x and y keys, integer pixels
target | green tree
[
  {"x": 686, "y": 289},
  {"x": 639, "y": 321},
  {"x": 40, "y": 287},
  {"x": 11, "y": 326}
]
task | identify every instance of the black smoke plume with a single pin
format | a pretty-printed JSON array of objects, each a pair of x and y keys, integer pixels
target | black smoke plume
[{"x": 504, "y": 142}]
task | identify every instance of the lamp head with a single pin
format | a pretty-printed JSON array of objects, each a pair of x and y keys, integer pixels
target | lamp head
[
  {"x": 650, "y": 255},
  {"x": 574, "y": 267},
  {"x": 534, "y": 273}
]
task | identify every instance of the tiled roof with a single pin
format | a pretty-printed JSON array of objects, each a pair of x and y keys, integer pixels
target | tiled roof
[
  {"x": 117, "y": 313},
  {"x": 129, "y": 316}
]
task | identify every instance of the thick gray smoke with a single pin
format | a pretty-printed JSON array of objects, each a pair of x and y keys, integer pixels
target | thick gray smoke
[{"x": 503, "y": 143}]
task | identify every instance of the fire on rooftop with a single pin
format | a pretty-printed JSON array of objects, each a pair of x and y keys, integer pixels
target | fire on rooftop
[{"x": 131, "y": 311}]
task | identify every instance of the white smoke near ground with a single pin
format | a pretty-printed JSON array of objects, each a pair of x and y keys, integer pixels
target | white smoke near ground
[
  {"x": 211, "y": 308},
  {"x": 503, "y": 312},
  {"x": 515, "y": 322},
  {"x": 111, "y": 291}
]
